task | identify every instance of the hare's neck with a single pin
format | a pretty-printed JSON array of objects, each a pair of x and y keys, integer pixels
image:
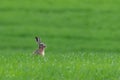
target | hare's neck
[{"x": 42, "y": 51}]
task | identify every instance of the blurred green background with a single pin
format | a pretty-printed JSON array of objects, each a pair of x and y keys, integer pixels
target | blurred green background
[{"x": 64, "y": 25}]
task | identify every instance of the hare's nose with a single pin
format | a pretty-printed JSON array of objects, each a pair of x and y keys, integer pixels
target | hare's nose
[{"x": 44, "y": 46}]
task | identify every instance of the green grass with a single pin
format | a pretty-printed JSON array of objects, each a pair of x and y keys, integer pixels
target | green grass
[
  {"x": 78, "y": 66},
  {"x": 82, "y": 39}
]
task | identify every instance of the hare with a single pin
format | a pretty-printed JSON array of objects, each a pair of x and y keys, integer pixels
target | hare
[{"x": 41, "y": 47}]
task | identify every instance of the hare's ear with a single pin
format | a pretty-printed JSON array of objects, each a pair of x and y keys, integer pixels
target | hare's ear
[{"x": 37, "y": 39}]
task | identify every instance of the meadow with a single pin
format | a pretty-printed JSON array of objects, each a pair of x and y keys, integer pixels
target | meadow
[{"x": 82, "y": 39}]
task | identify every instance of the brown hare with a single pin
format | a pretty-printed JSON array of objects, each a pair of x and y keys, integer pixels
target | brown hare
[{"x": 41, "y": 47}]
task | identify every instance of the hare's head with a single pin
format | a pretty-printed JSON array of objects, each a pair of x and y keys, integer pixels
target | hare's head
[{"x": 41, "y": 47}]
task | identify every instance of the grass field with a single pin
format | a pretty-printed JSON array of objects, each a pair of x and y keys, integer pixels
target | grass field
[{"x": 82, "y": 39}]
